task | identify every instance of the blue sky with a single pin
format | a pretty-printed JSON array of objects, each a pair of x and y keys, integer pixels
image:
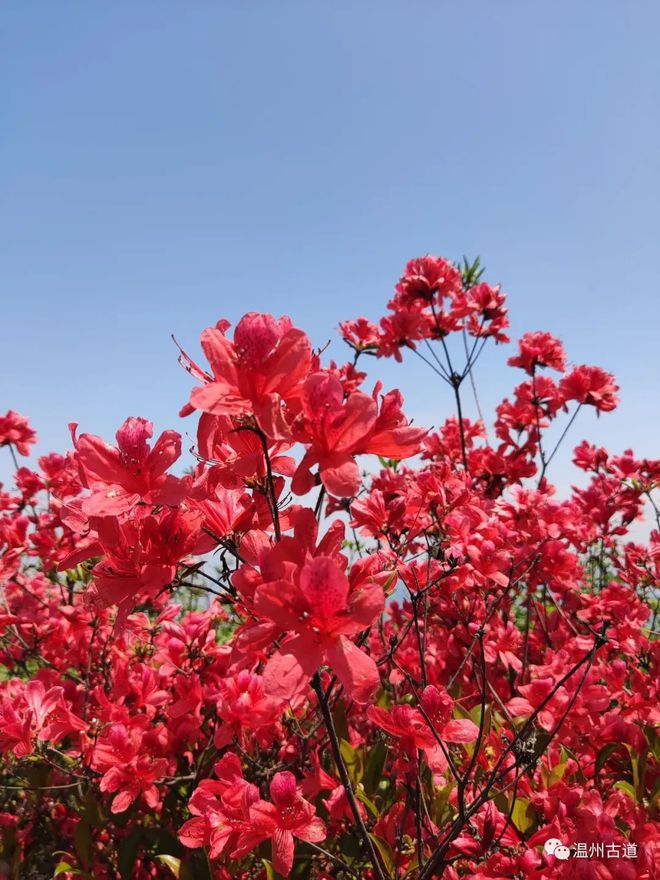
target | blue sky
[{"x": 166, "y": 164}]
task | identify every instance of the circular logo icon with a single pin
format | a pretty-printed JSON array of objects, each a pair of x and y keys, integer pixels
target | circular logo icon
[
  {"x": 551, "y": 845},
  {"x": 554, "y": 847}
]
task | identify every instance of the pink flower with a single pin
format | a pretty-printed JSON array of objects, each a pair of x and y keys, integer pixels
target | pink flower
[
  {"x": 52, "y": 717},
  {"x": 288, "y": 816},
  {"x": 439, "y": 707},
  {"x": 220, "y": 809},
  {"x": 15, "y": 430},
  {"x": 427, "y": 279},
  {"x": 539, "y": 350},
  {"x": 139, "y": 557},
  {"x": 412, "y": 729},
  {"x": 320, "y": 611},
  {"x": 335, "y": 430},
  {"x": 360, "y": 334},
  {"x": 591, "y": 386},
  {"x": 244, "y": 705},
  {"x": 36, "y": 713},
  {"x": 131, "y": 771},
  {"x": 15, "y": 729},
  {"x": 262, "y": 368},
  {"x": 121, "y": 476},
  {"x": 488, "y": 314}
]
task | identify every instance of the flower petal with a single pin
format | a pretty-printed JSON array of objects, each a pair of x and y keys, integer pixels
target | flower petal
[
  {"x": 283, "y": 848},
  {"x": 460, "y": 731},
  {"x": 356, "y": 670}
]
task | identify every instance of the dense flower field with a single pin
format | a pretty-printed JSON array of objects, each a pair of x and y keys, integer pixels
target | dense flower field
[{"x": 331, "y": 643}]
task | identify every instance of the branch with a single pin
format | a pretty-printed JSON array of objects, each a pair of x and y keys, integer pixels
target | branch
[
  {"x": 343, "y": 774},
  {"x": 437, "y": 859}
]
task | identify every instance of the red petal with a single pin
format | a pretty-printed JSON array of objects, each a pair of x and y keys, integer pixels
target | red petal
[
  {"x": 283, "y": 848},
  {"x": 354, "y": 669},
  {"x": 341, "y": 477},
  {"x": 460, "y": 731},
  {"x": 193, "y": 833}
]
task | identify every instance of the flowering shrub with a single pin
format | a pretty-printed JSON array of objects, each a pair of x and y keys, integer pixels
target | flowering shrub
[{"x": 273, "y": 664}]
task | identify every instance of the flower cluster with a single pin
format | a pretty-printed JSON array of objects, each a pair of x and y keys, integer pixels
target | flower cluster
[{"x": 334, "y": 644}]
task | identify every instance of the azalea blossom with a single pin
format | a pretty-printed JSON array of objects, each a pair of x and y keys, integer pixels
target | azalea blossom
[
  {"x": 270, "y": 654},
  {"x": 257, "y": 373},
  {"x": 321, "y": 612},
  {"x": 286, "y": 817},
  {"x": 120, "y": 476},
  {"x": 336, "y": 430},
  {"x": 16, "y": 430}
]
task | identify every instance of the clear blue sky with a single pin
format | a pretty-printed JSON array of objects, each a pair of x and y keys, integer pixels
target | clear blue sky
[{"x": 164, "y": 164}]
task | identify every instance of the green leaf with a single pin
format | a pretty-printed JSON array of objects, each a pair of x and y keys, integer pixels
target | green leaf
[
  {"x": 625, "y": 786},
  {"x": 172, "y": 863},
  {"x": 128, "y": 850},
  {"x": 604, "y": 755},
  {"x": 361, "y": 796},
  {"x": 301, "y": 871},
  {"x": 471, "y": 272},
  {"x": 340, "y": 720},
  {"x": 200, "y": 867},
  {"x": 353, "y": 760},
  {"x": 82, "y": 841},
  {"x": 567, "y": 753},
  {"x": 374, "y": 768},
  {"x": 523, "y": 815},
  {"x": 270, "y": 872},
  {"x": 475, "y": 715},
  {"x": 654, "y": 740},
  {"x": 66, "y": 868},
  {"x": 541, "y": 742},
  {"x": 555, "y": 774},
  {"x": 385, "y": 851},
  {"x": 639, "y": 763},
  {"x": 439, "y": 804},
  {"x": 93, "y": 812}
]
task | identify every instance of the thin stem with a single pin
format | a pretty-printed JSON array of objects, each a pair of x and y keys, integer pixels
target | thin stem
[
  {"x": 456, "y": 385},
  {"x": 319, "y": 504},
  {"x": 537, "y": 417},
  {"x": 333, "y": 858},
  {"x": 40, "y": 787},
  {"x": 497, "y": 774},
  {"x": 17, "y": 468},
  {"x": 563, "y": 434},
  {"x": 468, "y": 371},
  {"x": 443, "y": 374},
  {"x": 343, "y": 775},
  {"x": 436, "y": 358},
  {"x": 271, "y": 485},
  {"x": 462, "y": 785}
]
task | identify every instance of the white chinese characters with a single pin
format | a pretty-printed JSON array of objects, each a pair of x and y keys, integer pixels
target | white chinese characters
[{"x": 554, "y": 847}]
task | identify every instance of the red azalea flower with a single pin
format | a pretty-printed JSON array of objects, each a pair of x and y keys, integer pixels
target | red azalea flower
[
  {"x": 288, "y": 816},
  {"x": 15, "y": 430},
  {"x": 121, "y": 476},
  {"x": 261, "y": 369},
  {"x": 539, "y": 350},
  {"x": 591, "y": 386},
  {"x": 321, "y": 611},
  {"x": 337, "y": 428}
]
